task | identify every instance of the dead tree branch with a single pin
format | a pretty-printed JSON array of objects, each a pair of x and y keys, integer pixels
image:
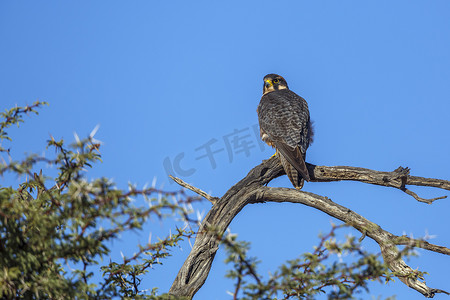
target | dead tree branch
[
  {"x": 253, "y": 189},
  {"x": 198, "y": 191}
]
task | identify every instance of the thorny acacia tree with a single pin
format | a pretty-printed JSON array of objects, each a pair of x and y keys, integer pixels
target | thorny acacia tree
[{"x": 55, "y": 229}]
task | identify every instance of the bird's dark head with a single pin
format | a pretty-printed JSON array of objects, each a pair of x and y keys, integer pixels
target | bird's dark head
[{"x": 274, "y": 82}]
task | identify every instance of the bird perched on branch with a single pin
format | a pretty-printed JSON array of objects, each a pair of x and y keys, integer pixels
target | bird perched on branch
[{"x": 285, "y": 124}]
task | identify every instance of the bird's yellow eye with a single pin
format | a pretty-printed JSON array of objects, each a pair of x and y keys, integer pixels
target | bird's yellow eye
[{"x": 276, "y": 80}]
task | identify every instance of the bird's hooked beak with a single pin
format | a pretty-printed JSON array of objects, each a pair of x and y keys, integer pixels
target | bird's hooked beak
[{"x": 267, "y": 83}]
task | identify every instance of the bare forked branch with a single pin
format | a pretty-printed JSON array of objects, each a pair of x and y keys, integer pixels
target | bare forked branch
[
  {"x": 399, "y": 178},
  {"x": 252, "y": 189}
]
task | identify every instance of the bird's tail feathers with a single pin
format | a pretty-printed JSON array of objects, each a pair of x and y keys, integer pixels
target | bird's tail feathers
[
  {"x": 292, "y": 173},
  {"x": 295, "y": 158}
]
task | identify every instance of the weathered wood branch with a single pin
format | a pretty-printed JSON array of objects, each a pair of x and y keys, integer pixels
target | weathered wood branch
[
  {"x": 198, "y": 191},
  {"x": 418, "y": 243},
  {"x": 252, "y": 189},
  {"x": 387, "y": 241},
  {"x": 398, "y": 178}
]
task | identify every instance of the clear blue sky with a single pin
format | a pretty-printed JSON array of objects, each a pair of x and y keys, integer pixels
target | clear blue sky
[{"x": 163, "y": 79}]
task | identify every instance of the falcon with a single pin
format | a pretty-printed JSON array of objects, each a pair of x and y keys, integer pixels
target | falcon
[{"x": 285, "y": 125}]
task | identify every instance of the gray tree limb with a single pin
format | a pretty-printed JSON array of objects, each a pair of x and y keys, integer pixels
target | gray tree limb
[{"x": 253, "y": 189}]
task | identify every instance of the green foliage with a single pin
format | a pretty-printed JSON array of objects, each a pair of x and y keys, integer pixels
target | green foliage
[
  {"x": 319, "y": 272},
  {"x": 14, "y": 116},
  {"x": 55, "y": 230}
]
